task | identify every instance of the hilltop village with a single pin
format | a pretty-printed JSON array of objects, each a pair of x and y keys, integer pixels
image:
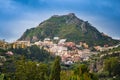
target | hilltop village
[{"x": 68, "y": 51}]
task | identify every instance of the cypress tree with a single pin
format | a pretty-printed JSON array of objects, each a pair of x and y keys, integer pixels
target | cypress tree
[{"x": 55, "y": 72}]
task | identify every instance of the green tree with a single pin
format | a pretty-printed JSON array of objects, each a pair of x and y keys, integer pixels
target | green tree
[
  {"x": 1, "y": 76},
  {"x": 28, "y": 70},
  {"x": 81, "y": 69},
  {"x": 56, "y": 69},
  {"x": 112, "y": 66},
  {"x": 2, "y": 59},
  {"x": 34, "y": 53},
  {"x": 86, "y": 76},
  {"x": 83, "y": 72}
]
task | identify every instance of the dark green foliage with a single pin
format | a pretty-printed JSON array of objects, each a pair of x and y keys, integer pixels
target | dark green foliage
[
  {"x": 8, "y": 68},
  {"x": 56, "y": 69},
  {"x": 69, "y": 27},
  {"x": 93, "y": 76},
  {"x": 81, "y": 69},
  {"x": 1, "y": 76},
  {"x": 82, "y": 72},
  {"x": 2, "y": 50},
  {"x": 19, "y": 68},
  {"x": 30, "y": 70},
  {"x": 112, "y": 66},
  {"x": 34, "y": 53},
  {"x": 108, "y": 63}
]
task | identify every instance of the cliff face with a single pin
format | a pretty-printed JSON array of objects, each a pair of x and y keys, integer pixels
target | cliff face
[{"x": 69, "y": 27}]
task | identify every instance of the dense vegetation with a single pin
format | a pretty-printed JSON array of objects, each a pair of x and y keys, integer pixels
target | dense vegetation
[
  {"x": 33, "y": 53},
  {"x": 43, "y": 66},
  {"x": 23, "y": 66},
  {"x": 23, "y": 59},
  {"x": 107, "y": 64},
  {"x": 29, "y": 70},
  {"x": 69, "y": 27}
]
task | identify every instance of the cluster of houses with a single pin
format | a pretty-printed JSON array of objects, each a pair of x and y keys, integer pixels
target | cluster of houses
[{"x": 68, "y": 51}]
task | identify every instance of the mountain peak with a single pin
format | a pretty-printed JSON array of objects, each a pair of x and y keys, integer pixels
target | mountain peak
[
  {"x": 69, "y": 27},
  {"x": 71, "y": 14},
  {"x": 55, "y": 16}
]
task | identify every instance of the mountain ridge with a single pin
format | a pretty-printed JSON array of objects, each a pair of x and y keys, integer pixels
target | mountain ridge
[{"x": 70, "y": 27}]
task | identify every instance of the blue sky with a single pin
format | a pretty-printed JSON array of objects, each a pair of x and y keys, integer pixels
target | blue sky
[{"x": 18, "y": 15}]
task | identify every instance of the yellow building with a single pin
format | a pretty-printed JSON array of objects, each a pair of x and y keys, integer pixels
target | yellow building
[{"x": 20, "y": 44}]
